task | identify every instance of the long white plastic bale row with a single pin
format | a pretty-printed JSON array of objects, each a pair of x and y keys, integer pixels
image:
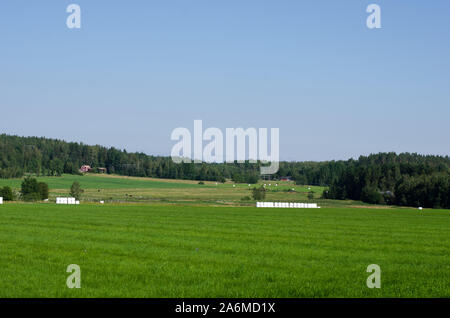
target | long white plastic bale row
[
  {"x": 287, "y": 205},
  {"x": 67, "y": 201}
]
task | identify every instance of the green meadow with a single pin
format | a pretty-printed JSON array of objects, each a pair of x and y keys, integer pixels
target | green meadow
[
  {"x": 119, "y": 189},
  {"x": 98, "y": 181},
  {"x": 172, "y": 238},
  {"x": 144, "y": 250}
]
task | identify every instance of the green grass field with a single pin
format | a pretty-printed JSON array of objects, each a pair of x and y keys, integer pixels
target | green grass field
[
  {"x": 138, "y": 250},
  {"x": 98, "y": 181},
  {"x": 119, "y": 189}
]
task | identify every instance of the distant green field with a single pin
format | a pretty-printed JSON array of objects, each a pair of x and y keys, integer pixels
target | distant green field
[
  {"x": 112, "y": 188},
  {"x": 180, "y": 251},
  {"x": 99, "y": 182}
]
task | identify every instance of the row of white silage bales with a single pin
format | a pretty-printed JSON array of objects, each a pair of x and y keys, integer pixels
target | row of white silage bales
[
  {"x": 67, "y": 201},
  {"x": 292, "y": 205}
]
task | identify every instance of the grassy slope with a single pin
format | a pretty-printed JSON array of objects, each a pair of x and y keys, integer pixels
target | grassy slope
[
  {"x": 169, "y": 251},
  {"x": 92, "y": 181},
  {"x": 119, "y": 189}
]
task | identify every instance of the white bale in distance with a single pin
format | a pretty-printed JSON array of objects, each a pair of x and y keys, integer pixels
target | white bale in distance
[
  {"x": 291, "y": 205},
  {"x": 420, "y": 208},
  {"x": 102, "y": 202},
  {"x": 77, "y": 202},
  {"x": 1, "y": 200}
]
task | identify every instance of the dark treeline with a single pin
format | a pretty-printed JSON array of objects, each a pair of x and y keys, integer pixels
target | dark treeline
[
  {"x": 385, "y": 178},
  {"x": 388, "y": 178},
  {"x": 51, "y": 157}
]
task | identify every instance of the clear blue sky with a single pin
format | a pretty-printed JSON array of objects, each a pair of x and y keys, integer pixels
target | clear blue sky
[{"x": 138, "y": 69}]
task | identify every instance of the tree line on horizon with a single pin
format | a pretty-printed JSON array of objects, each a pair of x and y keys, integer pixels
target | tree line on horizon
[{"x": 385, "y": 178}]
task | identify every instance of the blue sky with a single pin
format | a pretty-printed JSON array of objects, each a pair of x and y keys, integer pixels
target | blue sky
[{"x": 138, "y": 69}]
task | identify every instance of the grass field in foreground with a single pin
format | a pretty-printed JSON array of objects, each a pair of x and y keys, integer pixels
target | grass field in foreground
[{"x": 176, "y": 251}]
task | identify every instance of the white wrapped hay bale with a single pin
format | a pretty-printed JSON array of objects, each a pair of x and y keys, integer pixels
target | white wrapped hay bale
[{"x": 1, "y": 200}]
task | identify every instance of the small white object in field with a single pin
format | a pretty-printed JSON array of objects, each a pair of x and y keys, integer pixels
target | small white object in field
[
  {"x": 102, "y": 202},
  {"x": 216, "y": 183},
  {"x": 309, "y": 188},
  {"x": 1, "y": 200},
  {"x": 270, "y": 184},
  {"x": 293, "y": 189},
  {"x": 249, "y": 185},
  {"x": 276, "y": 185},
  {"x": 420, "y": 208},
  {"x": 77, "y": 202}
]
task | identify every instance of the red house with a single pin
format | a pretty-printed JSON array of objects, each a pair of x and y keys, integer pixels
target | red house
[{"x": 85, "y": 168}]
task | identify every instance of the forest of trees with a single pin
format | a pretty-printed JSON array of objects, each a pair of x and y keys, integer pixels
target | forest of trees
[
  {"x": 50, "y": 157},
  {"x": 385, "y": 178},
  {"x": 388, "y": 178}
]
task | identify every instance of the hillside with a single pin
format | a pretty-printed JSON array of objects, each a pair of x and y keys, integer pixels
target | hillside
[{"x": 385, "y": 178}]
